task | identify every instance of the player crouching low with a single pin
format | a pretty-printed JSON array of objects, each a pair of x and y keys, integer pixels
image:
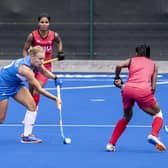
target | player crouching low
[
  {"x": 140, "y": 88},
  {"x": 12, "y": 78}
]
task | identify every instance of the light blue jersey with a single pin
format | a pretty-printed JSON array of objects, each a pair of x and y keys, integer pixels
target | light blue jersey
[{"x": 10, "y": 79}]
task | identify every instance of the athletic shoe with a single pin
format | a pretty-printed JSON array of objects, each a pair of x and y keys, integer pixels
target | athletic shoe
[
  {"x": 30, "y": 139},
  {"x": 156, "y": 142},
  {"x": 22, "y": 135},
  {"x": 110, "y": 148}
]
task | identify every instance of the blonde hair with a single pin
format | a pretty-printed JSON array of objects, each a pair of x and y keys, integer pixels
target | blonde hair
[{"x": 36, "y": 49}]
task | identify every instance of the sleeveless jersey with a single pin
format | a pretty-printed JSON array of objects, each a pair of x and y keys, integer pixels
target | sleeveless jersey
[
  {"x": 9, "y": 74},
  {"x": 140, "y": 72},
  {"x": 47, "y": 43}
]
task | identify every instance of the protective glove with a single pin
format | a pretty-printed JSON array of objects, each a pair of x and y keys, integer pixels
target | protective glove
[
  {"x": 60, "y": 55},
  {"x": 118, "y": 82},
  {"x": 58, "y": 82}
]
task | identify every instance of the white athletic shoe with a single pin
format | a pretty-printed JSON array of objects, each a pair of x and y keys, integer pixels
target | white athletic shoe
[
  {"x": 110, "y": 148},
  {"x": 30, "y": 139},
  {"x": 156, "y": 142}
]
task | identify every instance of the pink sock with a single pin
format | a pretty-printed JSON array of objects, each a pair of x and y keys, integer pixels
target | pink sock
[
  {"x": 118, "y": 130},
  {"x": 156, "y": 126}
]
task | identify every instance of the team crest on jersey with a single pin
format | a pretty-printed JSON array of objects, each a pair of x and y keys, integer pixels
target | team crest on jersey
[{"x": 47, "y": 48}]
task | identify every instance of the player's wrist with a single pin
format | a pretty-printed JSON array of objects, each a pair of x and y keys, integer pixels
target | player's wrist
[
  {"x": 60, "y": 55},
  {"x": 55, "y": 77},
  {"x": 60, "y": 52},
  {"x": 117, "y": 77}
]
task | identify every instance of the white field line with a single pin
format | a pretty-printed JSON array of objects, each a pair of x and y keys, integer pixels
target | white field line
[
  {"x": 76, "y": 125},
  {"x": 97, "y": 86}
]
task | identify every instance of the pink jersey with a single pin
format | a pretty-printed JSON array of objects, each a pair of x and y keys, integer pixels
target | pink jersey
[
  {"x": 47, "y": 42},
  {"x": 140, "y": 72}
]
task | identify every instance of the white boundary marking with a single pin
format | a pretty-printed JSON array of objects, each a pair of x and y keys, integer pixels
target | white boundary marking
[
  {"x": 76, "y": 125},
  {"x": 97, "y": 100},
  {"x": 98, "y": 86},
  {"x": 91, "y": 76},
  {"x": 83, "y": 87},
  {"x": 97, "y": 77}
]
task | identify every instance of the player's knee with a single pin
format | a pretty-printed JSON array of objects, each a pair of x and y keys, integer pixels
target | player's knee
[
  {"x": 128, "y": 118},
  {"x": 128, "y": 114},
  {"x": 32, "y": 107}
]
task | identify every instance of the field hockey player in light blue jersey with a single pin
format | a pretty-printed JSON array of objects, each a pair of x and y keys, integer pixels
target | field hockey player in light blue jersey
[{"x": 12, "y": 78}]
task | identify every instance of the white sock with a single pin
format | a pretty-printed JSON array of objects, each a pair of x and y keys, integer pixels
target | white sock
[
  {"x": 29, "y": 121},
  {"x": 159, "y": 114},
  {"x": 25, "y": 115}
]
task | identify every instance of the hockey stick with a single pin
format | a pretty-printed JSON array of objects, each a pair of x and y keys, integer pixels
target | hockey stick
[
  {"x": 50, "y": 60},
  {"x": 65, "y": 140}
]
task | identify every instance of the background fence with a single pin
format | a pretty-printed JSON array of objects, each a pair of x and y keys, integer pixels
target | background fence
[{"x": 90, "y": 29}]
